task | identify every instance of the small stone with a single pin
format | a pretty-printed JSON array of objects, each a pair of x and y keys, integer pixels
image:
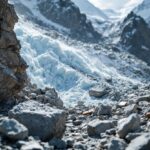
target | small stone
[
  {"x": 58, "y": 143},
  {"x": 144, "y": 98},
  {"x": 69, "y": 142},
  {"x": 104, "y": 110},
  {"x": 132, "y": 136},
  {"x": 127, "y": 125},
  {"x": 80, "y": 146},
  {"x": 122, "y": 104},
  {"x": 148, "y": 115},
  {"x": 96, "y": 127},
  {"x": 131, "y": 109},
  {"x": 77, "y": 122},
  {"x": 98, "y": 93},
  {"x": 12, "y": 129},
  {"x": 89, "y": 112},
  {"x": 140, "y": 143},
  {"x": 111, "y": 131},
  {"x": 33, "y": 95},
  {"x": 117, "y": 144}
]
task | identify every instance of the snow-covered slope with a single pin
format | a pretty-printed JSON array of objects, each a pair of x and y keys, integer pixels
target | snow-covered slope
[
  {"x": 144, "y": 10},
  {"x": 90, "y": 10},
  {"x": 73, "y": 70}
]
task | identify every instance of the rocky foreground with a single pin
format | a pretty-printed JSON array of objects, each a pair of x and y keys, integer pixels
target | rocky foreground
[{"x": 39, "y": 121}]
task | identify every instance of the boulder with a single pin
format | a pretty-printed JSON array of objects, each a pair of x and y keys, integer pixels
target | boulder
[
  {"x": 97, "y": 93},
  {"x": 41, "y": 120},
  {"x": 140, "y": 143},
  {"x": 96, "y": 127},
  {"x": 127, "y": 125},
  {"x": 13, "y": 129}
]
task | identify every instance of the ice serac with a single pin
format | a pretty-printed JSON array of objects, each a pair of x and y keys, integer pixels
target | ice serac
[
  {"x": 67, "y": 14},
  {"x": 135, "y": 35},
  {"x": 12, "y": 66}
]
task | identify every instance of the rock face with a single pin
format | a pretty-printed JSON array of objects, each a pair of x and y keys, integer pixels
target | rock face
[
  {"x": 12, "y": 67},
  {"x": 67, "y": 14},
  {"x": 13, "y": 129},
  {"x": 135, "y": 35},
  {"x": 41, "y": 120}
]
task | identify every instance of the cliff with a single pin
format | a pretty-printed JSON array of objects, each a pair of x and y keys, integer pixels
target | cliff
[{"x": 12, "y": 67}]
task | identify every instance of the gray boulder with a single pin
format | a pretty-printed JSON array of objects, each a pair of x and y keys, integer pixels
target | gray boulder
[
  {"x": 96, "y": 127},
  {"x": 127, "y": 125},
  {"x": 98, "y": 93},
  {"x": 13, "y": 129},
  {"x": 117, "y": 144},
  {"x": 140, "y": 143},
  {"x": 41, "y": 120}
]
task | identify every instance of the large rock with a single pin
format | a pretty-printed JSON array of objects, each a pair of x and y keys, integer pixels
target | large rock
[
  {"x": 41, "y": 120},
  {"x": 140, "y": 143},
  {"x": 96, "y": 127},
  {"x": 13, "y": 129},
  {"x": 127, "y": 125},
  {"x": 12, "y": 67}
]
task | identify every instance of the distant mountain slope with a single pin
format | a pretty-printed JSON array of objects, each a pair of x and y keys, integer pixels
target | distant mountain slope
[
  {"x": 60, "y": 14},
  {"x": 135, "y": 36},
  {"x": 144, "y": 10},
  {"x": 90, "y": 10}
]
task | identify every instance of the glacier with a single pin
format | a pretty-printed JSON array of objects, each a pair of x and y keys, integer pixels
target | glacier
[{"x": 72, "y": 70}]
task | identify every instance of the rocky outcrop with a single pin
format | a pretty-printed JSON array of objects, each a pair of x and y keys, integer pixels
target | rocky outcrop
[
  {"x": 67, "y": 14},
  {"x": 12, "y": 67},
  {"x": 134, "y": 37}
]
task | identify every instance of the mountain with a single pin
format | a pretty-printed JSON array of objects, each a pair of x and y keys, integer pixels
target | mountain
[
  {"x": 91, "y": 10},
  {"x": 60, "y": 15},
  {"x": 135, "y": 36},
  {"x": 144, "y": 10}
]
